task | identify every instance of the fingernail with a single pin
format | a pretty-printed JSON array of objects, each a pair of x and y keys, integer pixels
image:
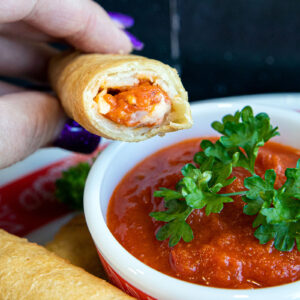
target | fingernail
[
  {"x": 122, "y": 20},
  {"x": 136, "y": 43},
  {"x": 125, "y": 21},
  {"x": 75, "y": 138}
]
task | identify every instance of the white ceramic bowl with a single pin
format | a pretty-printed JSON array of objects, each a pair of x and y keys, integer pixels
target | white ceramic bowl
[{"x": 128, "y": 272}]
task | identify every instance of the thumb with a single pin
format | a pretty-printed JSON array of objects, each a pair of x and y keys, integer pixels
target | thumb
[{"x": 28, "y": 121}]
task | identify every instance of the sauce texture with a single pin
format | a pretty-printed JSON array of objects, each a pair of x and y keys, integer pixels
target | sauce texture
[{"x": 224, "y": 252}]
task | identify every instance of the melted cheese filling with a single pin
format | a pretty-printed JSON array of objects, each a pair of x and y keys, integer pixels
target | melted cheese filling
[{"x": 140, "y": 105}]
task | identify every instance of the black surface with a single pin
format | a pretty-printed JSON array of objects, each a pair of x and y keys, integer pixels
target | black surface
[
  {"x": 240, "y": 47},
  {"x": 227, "y": 47}
]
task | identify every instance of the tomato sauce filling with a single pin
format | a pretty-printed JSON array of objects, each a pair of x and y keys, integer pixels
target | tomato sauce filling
[
  {"x": 224, "y": 252},
  {"x": 142, "y": 104}
]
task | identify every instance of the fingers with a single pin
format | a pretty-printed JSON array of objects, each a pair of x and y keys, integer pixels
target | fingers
[
  {"x": 7, "y": 88},
  {"x": 24, "y": 59},
  {"x": 100, "y": 33},
  {"x": 22, "y": 30},
  {"x": 83, "y": 23},
  {"x": 28, "y": 121}
]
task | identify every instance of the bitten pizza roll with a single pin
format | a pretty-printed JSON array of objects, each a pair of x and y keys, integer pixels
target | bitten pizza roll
[
  {"x": 30, "y": 272},
  {"x": 121, "y": 97}
]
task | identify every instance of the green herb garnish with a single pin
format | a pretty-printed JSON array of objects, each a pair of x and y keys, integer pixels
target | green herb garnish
[
  {"x": 243, "y": 134},
  {"x": 278, "y": 211},
  {"x": 70, "y": 187}
]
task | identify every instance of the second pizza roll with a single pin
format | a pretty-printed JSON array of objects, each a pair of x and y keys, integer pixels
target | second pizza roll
[
  {"x": 30, "y": 272},
  {"x": 74, "y": 243},
  {"x": 121, "y": 97}
]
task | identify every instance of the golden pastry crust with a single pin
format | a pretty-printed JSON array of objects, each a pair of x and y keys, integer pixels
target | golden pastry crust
[
  {"x": 77, "y": 79},
  {"x": 74, "y": 243},
  {"x": 31, "y": 272}
]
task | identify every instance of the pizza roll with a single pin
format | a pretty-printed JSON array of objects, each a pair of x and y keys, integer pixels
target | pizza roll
[
  {"x": 30, "y": 272},
  {"x": 121, "y": 97},
  {"x": 74, "y": 243}
]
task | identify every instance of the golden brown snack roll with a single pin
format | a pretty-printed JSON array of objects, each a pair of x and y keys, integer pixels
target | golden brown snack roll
[
  {"x": 31, "y": 272},
  {"x": 121, "y": 97}
]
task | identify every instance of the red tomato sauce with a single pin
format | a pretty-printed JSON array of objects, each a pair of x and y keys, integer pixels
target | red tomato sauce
[
  {"x": 139, "y": 98},
  {"x": 224, "y": 252}
]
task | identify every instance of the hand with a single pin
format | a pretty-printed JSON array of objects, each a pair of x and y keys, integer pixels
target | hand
[{"x": 28, "y": 119}]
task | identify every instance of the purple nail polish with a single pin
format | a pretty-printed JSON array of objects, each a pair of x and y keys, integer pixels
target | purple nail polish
[
  {"x": 123, "y": 20},
  {"x": 136, "y": 43},
  {"x": 75, "y": 138}
]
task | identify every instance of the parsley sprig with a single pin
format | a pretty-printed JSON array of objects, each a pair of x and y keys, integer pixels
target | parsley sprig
[
  {"x": 199, "y": 188},
  {"x": 242, "y": 135},
  {"x": 278, "y": 211},
  {"x": 70, "y": 187}
]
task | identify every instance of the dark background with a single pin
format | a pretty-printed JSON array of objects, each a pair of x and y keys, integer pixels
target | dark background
[{"x": 221, "y": 47}]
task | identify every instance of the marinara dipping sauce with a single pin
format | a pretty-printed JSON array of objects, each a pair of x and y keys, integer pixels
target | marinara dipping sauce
[{"x": 224, "y": 252}]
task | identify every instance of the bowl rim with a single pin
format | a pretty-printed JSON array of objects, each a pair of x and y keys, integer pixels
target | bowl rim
[{"x": 129, "y": 267}]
